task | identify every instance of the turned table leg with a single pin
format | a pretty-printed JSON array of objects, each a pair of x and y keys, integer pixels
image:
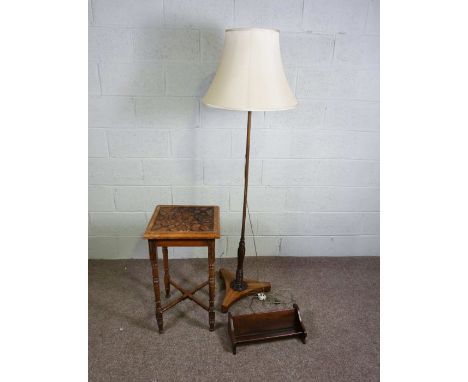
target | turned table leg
[
  {"x": 167, "y": 277},
  {"x": 153, "y": 252},
  {"x": 211, "y": 282}
]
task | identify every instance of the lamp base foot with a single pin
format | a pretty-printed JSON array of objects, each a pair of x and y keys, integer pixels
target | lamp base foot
[{"x": 232, "y": 295}]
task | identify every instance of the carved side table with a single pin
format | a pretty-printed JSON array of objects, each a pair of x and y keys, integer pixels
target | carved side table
[{"x": 183, "y": 226}]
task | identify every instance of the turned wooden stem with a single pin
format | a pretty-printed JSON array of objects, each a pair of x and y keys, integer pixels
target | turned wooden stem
[
  {"x": 211, "y": 284},
  {"x": 153, "y": 251},
  {"x": 167, "y": 277},
  {"x": 239, "y": 284}
]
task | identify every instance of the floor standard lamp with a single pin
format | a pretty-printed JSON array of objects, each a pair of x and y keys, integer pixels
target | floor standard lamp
[{"x": 250, "y": 77}]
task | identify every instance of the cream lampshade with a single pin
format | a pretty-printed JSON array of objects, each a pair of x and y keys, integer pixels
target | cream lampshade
[{"x": 250, "y": 76}]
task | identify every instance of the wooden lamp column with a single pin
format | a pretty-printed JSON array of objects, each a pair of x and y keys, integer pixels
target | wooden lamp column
[
  {"x": 237, "y": 287},
  {"x": 250, "y": 77}
]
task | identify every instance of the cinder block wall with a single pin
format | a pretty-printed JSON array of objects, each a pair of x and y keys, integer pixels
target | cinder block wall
[{"x": 314, "y": 174}]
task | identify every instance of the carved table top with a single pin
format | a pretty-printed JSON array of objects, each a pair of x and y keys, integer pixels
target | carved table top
[{"x": 184, "y": 222}]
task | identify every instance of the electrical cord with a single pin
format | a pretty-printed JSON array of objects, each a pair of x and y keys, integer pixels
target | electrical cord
[
  {"x": 253, "y": 237},
  {"x": 269, "y": 298}
]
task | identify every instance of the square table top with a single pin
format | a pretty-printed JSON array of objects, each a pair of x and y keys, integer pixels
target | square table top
[{"x": 184, "y": 222}]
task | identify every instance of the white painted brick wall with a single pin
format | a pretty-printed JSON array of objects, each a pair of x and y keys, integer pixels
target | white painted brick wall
[
  {"x": 100, "y": 199},
  {"x": 352, "y": 115},
  {"x": 115, "y": 171},
  {"x": 314, "y": 176},
  {"x": 260, "y": 199},
  {"x": 336, "y": 145},
  {"x": 90, "y": 13},
  {"x": 232, "y": 223},
  {"x": 128, "y": 12},
  {"x": 97, "y": 143},
  {"x": 215, "y": 119},
  {"x": 360, "y": 52},
  {"x": 307, "y": 49},
  {"x": 309, "y": 114},
  {"x": 102, "y": 247},
  {"x": 178, "y": 172},
  {"x": 189, "y": 79},
  {"x": 145, "y": 79},
  {"x": 320, "y": 172},
  {"x": 167, "y": 113},
  {"x": 202, "y": 13},
  {"x": 201, "y": 143},
  {"x": 211, "y": 43},
  {"x": 110, "y": 43},
  {"x": 319, "y": 223},
  {"x": 348, "y": 16},
  {"x": 358, "y": 84},
  {"x": 363, "y": 245},
  {"x": 332, "y": 199},
  {"x": 226, "y": 172},
  {"x": 283, "y": 15},
  {"x": 373, "y": 18},
  {"x": 307, "y": 143},
  {"x": 133, "y": 247},
  {"x": 111, "y": 111},
  {"x": 265, "y": 143},
  {"x": 167, "y": 44},
  {"x": 140, "y": 199},
  {"x": 116, "y": 223},
  {"x": 202, "y": 196},
  {"x": 138, "y": 143},
  {"x": 94, "y": 85},
  {"x": 266, "y": 246}
]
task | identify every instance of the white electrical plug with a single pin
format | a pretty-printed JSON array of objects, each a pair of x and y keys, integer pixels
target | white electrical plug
[{"x": 261, "y": 296}]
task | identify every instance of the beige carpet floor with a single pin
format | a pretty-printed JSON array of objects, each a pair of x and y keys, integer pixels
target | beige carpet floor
[{"x": 338, "y": 298}]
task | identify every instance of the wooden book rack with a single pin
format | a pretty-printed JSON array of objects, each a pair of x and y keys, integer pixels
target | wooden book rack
[{"x": 256, "y": 327}]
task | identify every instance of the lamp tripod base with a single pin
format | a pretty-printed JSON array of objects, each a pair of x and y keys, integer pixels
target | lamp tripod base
[{"x": 232, "y": 295}]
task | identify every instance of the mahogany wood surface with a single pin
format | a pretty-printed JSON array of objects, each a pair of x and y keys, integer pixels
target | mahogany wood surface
[
  {"x": 263, "y": 326},
  {"x": 231, "y": 295}
]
